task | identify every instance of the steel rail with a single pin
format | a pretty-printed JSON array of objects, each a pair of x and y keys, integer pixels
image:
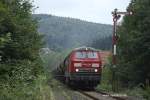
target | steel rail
[{"x": 101, "y": 93}]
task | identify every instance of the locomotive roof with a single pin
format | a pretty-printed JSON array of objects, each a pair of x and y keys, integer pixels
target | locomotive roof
[{"x": 85, "y": 48}]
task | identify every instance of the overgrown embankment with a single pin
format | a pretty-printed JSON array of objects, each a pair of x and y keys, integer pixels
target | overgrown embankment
[{"x": 22, "y": 76}]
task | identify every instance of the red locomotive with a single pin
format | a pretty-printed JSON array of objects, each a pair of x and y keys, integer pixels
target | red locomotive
[{"x": 83, "y": 66}]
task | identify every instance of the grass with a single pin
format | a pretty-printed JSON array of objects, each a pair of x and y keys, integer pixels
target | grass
[
  {"x": 139, "y": 93},
  {"x": 38, "y": 90},
  {"x": 106, "y": 86}
]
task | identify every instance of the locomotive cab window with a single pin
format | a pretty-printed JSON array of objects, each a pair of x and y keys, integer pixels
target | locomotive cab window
[
  {"x": 80, "y": 54},
  {"x": 84, "y": 54},
  {"x": 92, "y": 55}
]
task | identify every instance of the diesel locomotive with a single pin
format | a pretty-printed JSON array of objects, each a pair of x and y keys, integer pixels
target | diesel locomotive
[{"x": 82, "y": 67}]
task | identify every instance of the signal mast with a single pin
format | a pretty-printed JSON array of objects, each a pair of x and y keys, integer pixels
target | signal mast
[{"x": 116, "y": 16}]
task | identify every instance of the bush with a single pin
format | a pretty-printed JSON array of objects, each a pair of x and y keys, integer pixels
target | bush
[
  {"x": 37, "y": 90},
  {"x": 106, "y": 80},
  {"x": 23, "y": 80},
  {"x": 146, "y": 93}
]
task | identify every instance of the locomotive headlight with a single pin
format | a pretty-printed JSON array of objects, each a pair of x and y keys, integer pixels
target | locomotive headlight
[
  {"x": 77, "y": 70},
  {"x": 77, "y": 64},
  {"x": 96, "y": 70},
  {"x": 95, "y": 65}
]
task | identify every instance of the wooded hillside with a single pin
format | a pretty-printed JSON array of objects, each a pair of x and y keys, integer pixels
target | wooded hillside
[{"x": 62, "y": 33}]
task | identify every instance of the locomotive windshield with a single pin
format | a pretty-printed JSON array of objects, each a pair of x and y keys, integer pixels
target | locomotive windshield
[{"x": 83, "y": 54}]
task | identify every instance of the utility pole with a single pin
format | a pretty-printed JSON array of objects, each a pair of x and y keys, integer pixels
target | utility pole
[{"x": 116, "y": 16}]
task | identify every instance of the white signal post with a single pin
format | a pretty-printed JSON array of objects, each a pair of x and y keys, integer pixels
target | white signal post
[{"x": 116, "y": 16}]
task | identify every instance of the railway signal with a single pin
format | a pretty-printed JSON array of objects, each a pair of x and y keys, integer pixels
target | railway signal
[{"x": 116, "y": 16}]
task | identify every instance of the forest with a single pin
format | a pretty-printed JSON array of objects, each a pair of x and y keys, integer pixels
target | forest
[
  {"x": 22, "y": 74},
  {"x": 25, "y": 73},
  {"x": 61, "y": 33},
  {"x": 132, "y": 73},
  {"x": 134, "y": 45}
]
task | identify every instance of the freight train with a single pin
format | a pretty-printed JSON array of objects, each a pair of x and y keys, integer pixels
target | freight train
[{"x": 82, "y": 67}]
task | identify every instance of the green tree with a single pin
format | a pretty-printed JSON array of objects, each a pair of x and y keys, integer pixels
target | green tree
[
  {"x": 19, "y": 39},
  {"x": 20, "y": 42},
  {"x": 134, "y": 44},
  {"x": 25, "y": 40}
]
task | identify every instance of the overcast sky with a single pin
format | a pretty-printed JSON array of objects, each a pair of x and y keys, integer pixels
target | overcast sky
[{"x": 91, "y": 10}]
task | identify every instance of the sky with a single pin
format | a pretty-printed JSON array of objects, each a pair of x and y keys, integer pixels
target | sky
[{"x": 98, "y": 11}]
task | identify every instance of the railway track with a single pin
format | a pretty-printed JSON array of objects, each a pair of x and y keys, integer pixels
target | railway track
[
  {"x": 117, "y": 97},
  {"x": 63, "y": 92},
  {"x": 94, "y": 95},
  {"x": 89, "y": 96}
]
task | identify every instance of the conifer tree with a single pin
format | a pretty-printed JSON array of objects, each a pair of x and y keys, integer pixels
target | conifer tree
[{"x": 134, "y": 44}]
